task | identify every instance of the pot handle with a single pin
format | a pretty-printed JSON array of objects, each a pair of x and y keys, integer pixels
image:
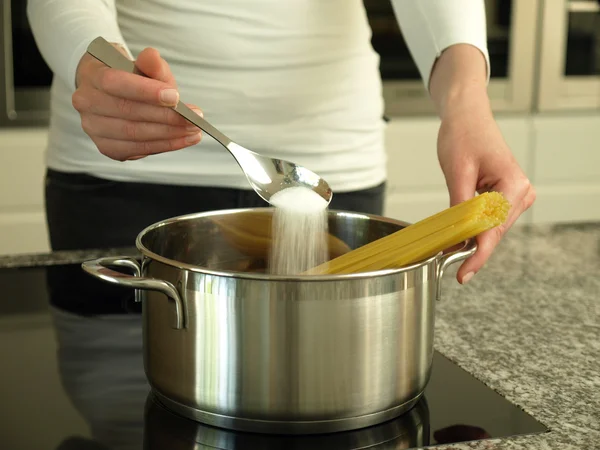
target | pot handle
[
  {"x": 99, "y": 268},
  {"x": 468, "y": 249}
]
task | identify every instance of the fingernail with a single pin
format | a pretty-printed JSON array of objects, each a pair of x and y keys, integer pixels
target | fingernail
[
  {"x": 169, "y": 97},
  {"x": 197, "y": 111},
  {"x": 193, "y": 139},
  {"x": 467, "y": 277}
]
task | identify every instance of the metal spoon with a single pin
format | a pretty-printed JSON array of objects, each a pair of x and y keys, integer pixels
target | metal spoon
[{"x": 266, "y": 175}]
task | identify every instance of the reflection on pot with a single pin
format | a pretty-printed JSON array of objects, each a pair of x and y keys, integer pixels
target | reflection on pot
[
  {"x": 100, "y": 362},
  {"x": 164, "y": 429},
  {"x": 249, "y": 240}
]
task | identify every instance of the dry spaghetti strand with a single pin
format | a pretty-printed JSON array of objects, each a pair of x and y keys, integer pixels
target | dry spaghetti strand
[{"x": 423, "y": 239}]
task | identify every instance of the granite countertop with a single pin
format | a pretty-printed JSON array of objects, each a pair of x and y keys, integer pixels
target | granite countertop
[
  {"x": 528, "y": 326},
  {"x": 61, "y": 257}
]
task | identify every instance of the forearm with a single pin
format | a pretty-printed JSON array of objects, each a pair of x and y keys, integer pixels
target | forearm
[
  {"x": 459, "y": 80},
  {"x": 64, "y": 28},
  {"x": 448, "y": 42}
]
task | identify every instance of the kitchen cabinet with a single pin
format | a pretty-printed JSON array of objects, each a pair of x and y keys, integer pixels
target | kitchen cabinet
[
  {"x": 416, "y": 187},
  {"x": 569, "y": 75},
  {"x": 22, "y": 221},
  {"x": 559, "y": 153},
  {"x": 566, "y": 168},
  {"x": 512, "y": 28},
  {"x": 544, "y": 55}
]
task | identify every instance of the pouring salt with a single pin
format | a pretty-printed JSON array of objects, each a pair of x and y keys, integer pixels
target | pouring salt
[{"x": 299, "y": 231}]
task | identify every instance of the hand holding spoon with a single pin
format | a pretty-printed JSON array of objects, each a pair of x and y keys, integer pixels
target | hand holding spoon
[{"x": 267, "y": 176}]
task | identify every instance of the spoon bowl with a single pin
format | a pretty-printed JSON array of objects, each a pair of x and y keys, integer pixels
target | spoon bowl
[{"x": 266, "y": 175}]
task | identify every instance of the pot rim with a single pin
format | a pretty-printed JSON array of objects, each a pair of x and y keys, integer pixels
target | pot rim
[{"x": 269, "y": 277}]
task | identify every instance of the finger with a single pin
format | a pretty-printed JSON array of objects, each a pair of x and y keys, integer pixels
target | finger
[
  {"x": 129, "y": 130},
  {"x": 150, "y": 63},
  {"x": 486, "y": 243},
  {"x": 93, "y": 101},
  {"x": 121, "y": 84},
  {"x": 124, "y": 150}
]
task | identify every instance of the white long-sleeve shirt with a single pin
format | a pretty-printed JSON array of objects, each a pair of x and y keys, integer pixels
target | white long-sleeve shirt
[{"x": 295, "y": 79}]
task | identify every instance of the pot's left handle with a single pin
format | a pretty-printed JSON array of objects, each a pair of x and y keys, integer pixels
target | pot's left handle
[
  {"x": 100, "y": 268},
  {"x": 468, "y": 248}
]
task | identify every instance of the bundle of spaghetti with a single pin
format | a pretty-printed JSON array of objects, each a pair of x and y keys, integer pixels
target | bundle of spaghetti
[{"x": 423, "y": 239}]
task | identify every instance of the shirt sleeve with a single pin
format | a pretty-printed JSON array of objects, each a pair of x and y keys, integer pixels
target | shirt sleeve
[
  {"x": 63, "y": 29},
  {"x": 431, "y": 26}
]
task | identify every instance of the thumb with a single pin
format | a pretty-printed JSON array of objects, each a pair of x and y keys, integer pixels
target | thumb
[{"x": 154, "y": 66}]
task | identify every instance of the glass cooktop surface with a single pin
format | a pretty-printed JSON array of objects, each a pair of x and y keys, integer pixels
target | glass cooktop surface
[{"x": 73, "y": 379}]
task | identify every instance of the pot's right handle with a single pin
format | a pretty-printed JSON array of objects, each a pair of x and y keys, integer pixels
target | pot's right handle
[
  {"x": 468, "y": 249},
  {"x": 100, "y": 268}
]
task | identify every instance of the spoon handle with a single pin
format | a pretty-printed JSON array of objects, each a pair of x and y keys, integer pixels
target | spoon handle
[
  {"x": 201, "y": 123},
  {"x": 104, "y": 52}
]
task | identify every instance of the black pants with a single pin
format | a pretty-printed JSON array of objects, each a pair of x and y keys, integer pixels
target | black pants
[
  {"x": 88, "y": 212},
  {"x": 85, "y": 212}
]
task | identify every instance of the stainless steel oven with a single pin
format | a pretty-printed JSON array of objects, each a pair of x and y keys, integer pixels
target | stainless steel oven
[
  {"x": 24, "y": 76},
  {"x": 570, "y": 56},
  {"x": 512, "y": 33}
]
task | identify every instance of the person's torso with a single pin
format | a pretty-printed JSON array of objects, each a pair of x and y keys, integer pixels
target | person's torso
[{"x": 295, "y": 79}]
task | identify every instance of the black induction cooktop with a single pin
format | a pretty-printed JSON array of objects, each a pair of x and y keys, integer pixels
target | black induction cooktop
[{"x": 72, "y": 379}]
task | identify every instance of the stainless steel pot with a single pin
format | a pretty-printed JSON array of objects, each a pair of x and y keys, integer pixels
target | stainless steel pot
[{"x": 233, "y": 347}]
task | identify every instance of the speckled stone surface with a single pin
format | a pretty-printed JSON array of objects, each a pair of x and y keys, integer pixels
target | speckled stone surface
[
  {"x": 528, "y": 326},
  {"x": 62, "y": 257}
]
